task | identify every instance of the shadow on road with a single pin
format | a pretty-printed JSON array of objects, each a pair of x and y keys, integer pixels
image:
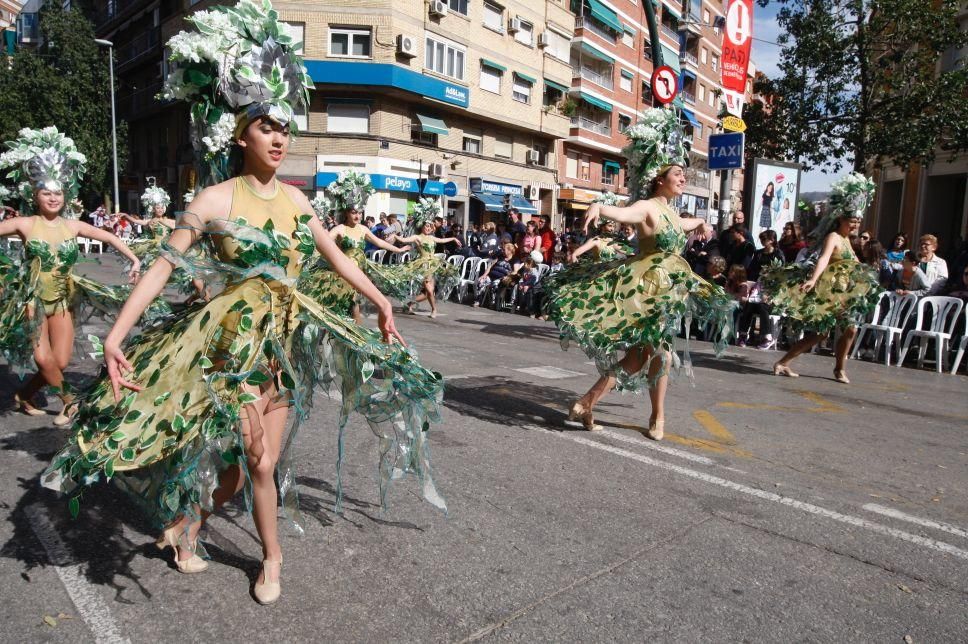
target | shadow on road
[{"x": 534, "y": 330}]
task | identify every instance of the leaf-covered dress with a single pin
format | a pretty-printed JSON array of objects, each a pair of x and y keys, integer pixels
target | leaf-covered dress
[
  {"x": 265, "y": 335},
  {"x": 427, "y": 264},
  {"x": 148, "y": 249},
  {"x": 610, "y": 307},
  {"x": 844, "y": 293},
  {"x": 43, "y": 283},
  {"x": 393, "y": 280}
]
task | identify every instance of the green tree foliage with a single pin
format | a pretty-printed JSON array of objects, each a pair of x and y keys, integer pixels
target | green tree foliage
[
  {"x": 860, "y": 83},
  {"x": 65, "y": 83}
]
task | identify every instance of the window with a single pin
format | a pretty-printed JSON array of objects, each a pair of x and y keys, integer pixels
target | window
[
  {"x": 703, "y": 55},
  {"x": 503, "y": 146},
  {"x": 521, "y": 90},
  {"x": 445, "y": 58},
  {"x": 698, "y": 130},
  {"x": 628, "y": 39},
  {"x": 349, "y": 43},
  {"x": 490, "y": 79},
  {"x": 423, "y": 138},
  {"x": 571, "y": 165},
  {"x": 558, "y": 46},
  {"x": 714, "y": 63},
  {"x": 712, "y": 98},
  {"x": 458, "y": 6},
  {"x": 542, "y": 151},
  {"x": 300, "y": 117},
  {"x": 494, "y": 16},
  {"x": 585, "y": 167},
  {"x": 625, "y": 81},
  {"x": 525, "y": 35},
  {"x": 702, "y": 92},
  {"x": 624, "y": 123},
  {"x": 609, "y": 173},
  {"x": 647, "y": 98},
  {"x": 705, "y": 16},
  {"x": 346, "y": 117},
  {"x": 472, "y": 144},
  {"x": 298, "y": 32},
  {"x": 552, "y": 96}
]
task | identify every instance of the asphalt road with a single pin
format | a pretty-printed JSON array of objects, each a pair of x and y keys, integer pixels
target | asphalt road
[{"x": 775, "y": 510}]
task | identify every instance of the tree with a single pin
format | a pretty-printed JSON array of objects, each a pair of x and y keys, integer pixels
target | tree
[
  {"x": 65, "y": 83},
  {"x": 860, "y": 81},
  {"x": 766, "y": 117}
]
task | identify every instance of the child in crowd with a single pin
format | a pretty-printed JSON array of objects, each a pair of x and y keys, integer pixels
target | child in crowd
[{"x": 715, "y": 269}]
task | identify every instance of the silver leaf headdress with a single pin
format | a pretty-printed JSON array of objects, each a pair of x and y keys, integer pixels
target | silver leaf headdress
[{"x": 43, "y": 160}]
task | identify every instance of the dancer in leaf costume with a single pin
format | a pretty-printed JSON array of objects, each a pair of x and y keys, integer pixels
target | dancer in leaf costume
[
  {"x": 156, "y": 201},
  {"x": 210, "y": 392},
  {"x": 348, "y": 195},
  {"x": 637, "y": 306},
  {"x": 834, "y": 293},
  {"x": 428, "y": 272},
  {"x": 41, "y": 296},
  {"x": 603, "y": 247}
]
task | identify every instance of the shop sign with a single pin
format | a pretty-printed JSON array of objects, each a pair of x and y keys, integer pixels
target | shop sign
[{"x": 478, "y": 184}]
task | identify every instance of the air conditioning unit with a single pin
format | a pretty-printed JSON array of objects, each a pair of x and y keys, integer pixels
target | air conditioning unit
[
  {"x": 438, "y": 8},
  {"x": 544, "y": 39},
  {"x": 514, "y": 25},
  {"x": 406, "y": 46},
  {"x": 567, "y": 186},
  {"x": 435, "y": 170},
  {"x": 533, "y": 193},
  {"x": 534, "y": 156}
]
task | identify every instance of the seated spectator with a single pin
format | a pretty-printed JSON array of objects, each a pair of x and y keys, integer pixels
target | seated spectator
[
  {"x": 497, "y": 271},
  {"x": 474, "y": 238},
  {"x": 791, "y": 242},
  {"x": 394, "y": 227},
  {"x": 726, "y": 237},
  {"x": 755, "y": 309},
  {"x": 863, "y": 239},
  {"x": 961, "y": 290},
  {"x": 380, "y": 227},
  {"x": 935, "y": 269},
  {"x": 700, "y": 246},
  {"x": 715, "y": 268},
  {"x": 490, "y": 245},
  {"x": 895, "y": 254},
  {"x": 875, "y": 257},
  {"x": 765, "y": 256},
  {"x": 739, "y": 287},
  {"x": 741, "y": 250},
  {"x": 504, "y": 235},
  {"x": 530, "y": 240},
  {"x": 910, "y": 279},
  {"x": 628, "y": 232}
]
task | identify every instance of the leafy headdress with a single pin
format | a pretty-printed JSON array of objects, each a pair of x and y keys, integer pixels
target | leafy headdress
[
  {"x": 655, "y": 143},
  {"x": 239, "y": 66},
  {"x": 43, "y": 160},
  {"x": 350, "y": 191},
  {"x": 426, "y": 209},
  {"x": 849, "y": 197},
  {"x": 154, "y": 196}
]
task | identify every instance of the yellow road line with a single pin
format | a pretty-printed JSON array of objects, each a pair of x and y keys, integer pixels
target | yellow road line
[
  {"x": 714, "y": 427},
  {"x": 822, "y": 405}
]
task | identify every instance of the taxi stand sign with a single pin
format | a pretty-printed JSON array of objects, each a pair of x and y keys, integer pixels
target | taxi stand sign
[{"x": 726, "y": 151}]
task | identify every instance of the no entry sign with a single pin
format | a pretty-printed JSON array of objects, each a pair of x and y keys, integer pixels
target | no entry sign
[
  {"x": 737, "y": 42},
  {"x": 665, "y": 85}
]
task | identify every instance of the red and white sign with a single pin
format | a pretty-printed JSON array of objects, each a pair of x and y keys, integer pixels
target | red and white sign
[
  {"x": 665, "y": 85},
  {"x": 737, "y": 43}
]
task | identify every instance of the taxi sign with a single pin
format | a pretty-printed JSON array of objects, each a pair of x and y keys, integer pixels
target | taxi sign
[{"x": 734, "y": 124}]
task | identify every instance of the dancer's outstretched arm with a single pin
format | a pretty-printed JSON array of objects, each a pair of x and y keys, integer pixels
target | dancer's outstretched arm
[
  {"x": 87, "y": 230},
  {"x": 384, "y": 244},
  {"x": 633, "y": 214},
  {"x": 16, "y": 226},
  {"x": 584, "y": 248}
]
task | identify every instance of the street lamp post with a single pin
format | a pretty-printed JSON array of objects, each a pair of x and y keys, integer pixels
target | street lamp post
[{"x": 114, "y": 120}]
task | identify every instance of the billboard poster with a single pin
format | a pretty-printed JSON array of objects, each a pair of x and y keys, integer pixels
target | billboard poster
[{"x": 773, "y": 195}]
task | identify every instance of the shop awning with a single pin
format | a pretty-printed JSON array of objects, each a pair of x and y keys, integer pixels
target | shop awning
[
  {"x": 667, "y": 6},
  {"x": 431, "y": 125},
  {"x": 591, "y": 100},
  {"x": 629, "y": 29},
  {"x": 493, "y": 65},
  {"x": 615, "y": 166},
  {"x": 689, "y": 72},
  {"x": 605, "y": 16},
  {"x": 492, "y": 202},
  {"x": 627, "y": 74},
  {"x": 591, "y": 51},
  {"x": 577, "y": 205},
  {"x": 522, "y": 205},
  {"x": 554, "y": 85},
  {"x": 670, "y": 57},
  {"x": 690, "y": 117},
  {"x": 525, "y": 77}
]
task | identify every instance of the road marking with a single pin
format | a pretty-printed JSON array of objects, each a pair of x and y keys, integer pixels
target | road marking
[
  {"x": 657, "y": 447},
  {"x": 714, "y": 427},
  {"x": 927, "y": 523},
  {"x": 551, "y": 373},
  {"x": 823, "y": 406},
  {"x": 90, "y": 606},
  {"x": 859, "y": 522}
]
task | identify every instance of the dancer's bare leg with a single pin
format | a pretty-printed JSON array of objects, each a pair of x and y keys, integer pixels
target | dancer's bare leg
[
  {"x": 657, "y": 392},
  {"x": 808, "y": 342},
  {"x": 52, "y": 354},
  {"x": 843, "y": 347},
  {"x": 631, "y": 364}
]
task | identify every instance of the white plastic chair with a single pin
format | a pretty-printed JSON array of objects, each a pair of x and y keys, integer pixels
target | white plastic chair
[
  {"x": 887, "y": 325},
  {"x": 377, "y": 256},
  {"x": 441, "y": 256},
  {"x": 401, "y": 258},
  {"x": 456, "y": 260},
  {"x": 962, "y": 344},
  {"x": 14, "y": 243},
  {"x": 944, "y": 313},
  {"x": 468, "y": 275}
]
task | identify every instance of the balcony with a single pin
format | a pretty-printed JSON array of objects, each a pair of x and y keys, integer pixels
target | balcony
[
  {"x": 689, "y": 97},
  {"x": 138, "y": 48},
  {"x": 590, "y": 24},
  {"x": 592, "y": 126},
  {"x": 115, "y": 9},
  {"x": 140, "y": 102},
  {"x": 669, "y": 31},
  {"x": 598, "y": 77},
  {"x": 689, "y": 59}
]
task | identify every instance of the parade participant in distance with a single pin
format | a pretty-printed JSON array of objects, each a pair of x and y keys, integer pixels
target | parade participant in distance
[
  {"x": 835, "y": 292},
  {"x": 42, "y": 297},
  {"x": 637, "y": 306},
  {"x": 428, "y": 270},
  {"x": 210, "y": 391}
]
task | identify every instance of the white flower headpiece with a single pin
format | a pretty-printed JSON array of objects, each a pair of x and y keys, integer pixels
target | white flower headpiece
[
  {"x": 43, "y": 160},
  {"x": 655, "y": 142},
  {"x": 350, "y": 191},
  {"x": 155, "y": 196},
  {"x": 426, "y": 209}
]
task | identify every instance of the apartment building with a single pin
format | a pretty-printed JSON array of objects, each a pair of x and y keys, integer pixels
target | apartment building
[{"x": 611, "y": 57}]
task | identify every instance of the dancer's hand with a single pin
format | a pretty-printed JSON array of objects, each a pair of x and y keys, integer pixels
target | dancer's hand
[
  {"x": 117, "y": 366},
  {"x": 135, "y": 273},
  {"x": 592, "y": 216},
  {"x": 387, "y": 327},
  {"x": 807, "y": 286}
]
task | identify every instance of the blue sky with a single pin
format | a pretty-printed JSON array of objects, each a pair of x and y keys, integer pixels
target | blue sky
[{"x": 766, "y": 57}]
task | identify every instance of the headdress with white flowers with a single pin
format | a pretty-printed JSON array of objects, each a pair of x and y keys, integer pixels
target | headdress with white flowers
[
  {"x": 240, "y": 65},
  {"x": 43, "y": 160},
  {"x": 4, "y": 194},
  {"x": 426, "y": 209},
  {"x": 154, "y": 196},
  {"x": 849, "y": 197},
  {"x": 655, "y": 142},
  {"x": 350, "y": 191}
]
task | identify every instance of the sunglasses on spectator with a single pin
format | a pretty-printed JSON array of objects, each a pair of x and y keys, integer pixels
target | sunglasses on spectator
[{"x": 865, "y": 237}]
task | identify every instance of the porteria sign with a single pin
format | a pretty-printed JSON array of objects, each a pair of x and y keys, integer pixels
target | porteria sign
[{"x": 478, "y": 184}]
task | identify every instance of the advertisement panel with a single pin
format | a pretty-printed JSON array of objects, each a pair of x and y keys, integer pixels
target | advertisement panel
[
  {"x": 737, "y": 44},
  {"x": 773, "y": 193}
]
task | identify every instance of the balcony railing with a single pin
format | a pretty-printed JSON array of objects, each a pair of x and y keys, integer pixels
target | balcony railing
[
  {"x": 590, "y": 24},
  {"x": 140, "y": 101},
  {"x": 592, "y": 126},
  {"x": 689, "y": 97},
  {"x": 113, "y": 9},
  {"x": 689, "y": 58},
  {"x": 669, "y": 31},
  {"x": 146, "y": 43},
  {"x": 598, "y": 78}
]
